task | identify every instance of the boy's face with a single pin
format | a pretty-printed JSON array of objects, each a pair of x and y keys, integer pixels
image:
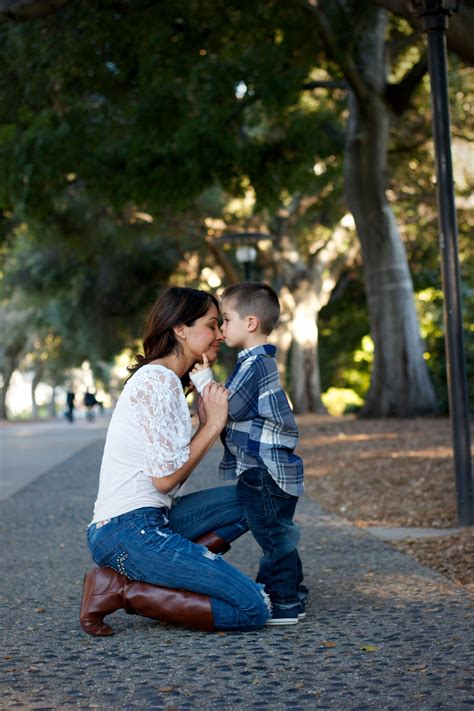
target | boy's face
[{"x": 234, "y": 328}]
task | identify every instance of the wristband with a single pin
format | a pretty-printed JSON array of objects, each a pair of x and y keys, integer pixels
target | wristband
[{"x": 201, "y": 379}]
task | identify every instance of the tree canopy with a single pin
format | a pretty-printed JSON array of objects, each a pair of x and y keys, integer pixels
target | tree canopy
[{"x": 118, "y": 117}]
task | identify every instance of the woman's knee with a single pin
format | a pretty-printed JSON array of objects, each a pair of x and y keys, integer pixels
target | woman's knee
[
  {"x": 264, "y": 607},
  {"x": 258, "y": 609},
  {"x": 247, "y": 616}
]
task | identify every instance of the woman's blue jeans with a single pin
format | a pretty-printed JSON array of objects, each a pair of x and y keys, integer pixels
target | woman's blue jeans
[{"x": 154, "y": 546}]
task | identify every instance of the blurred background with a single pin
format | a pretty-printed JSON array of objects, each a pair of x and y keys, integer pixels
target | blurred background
[{"x": 144, "y": 144}]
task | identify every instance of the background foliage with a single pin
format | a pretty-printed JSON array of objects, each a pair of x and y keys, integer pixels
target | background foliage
[{"x": 123, "y": 130}]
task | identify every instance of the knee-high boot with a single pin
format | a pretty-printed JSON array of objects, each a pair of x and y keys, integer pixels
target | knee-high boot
[{"x": 106, "y": 591}]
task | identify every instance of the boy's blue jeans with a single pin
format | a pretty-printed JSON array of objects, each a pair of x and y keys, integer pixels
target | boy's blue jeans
[
  {"x": 269, "y": 512},
  {"x": 154, "y": 545}
]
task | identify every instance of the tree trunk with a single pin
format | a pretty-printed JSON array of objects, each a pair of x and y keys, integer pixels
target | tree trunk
[
  {"x": 282, "y": 336},
  {"x": 9, "y": 369},
  {"x": 52, "y": 403},
  {"x": 300, "y": 304},
  {"x": 34, "y": 384},
  {"x": 11, "y": 358},
  {"x": 305, "y": 379},
  {"x": 400, "y": 384}
]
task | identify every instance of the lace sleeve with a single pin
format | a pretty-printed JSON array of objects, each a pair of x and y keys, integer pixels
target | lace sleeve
[{"x": 158, "y": 403}]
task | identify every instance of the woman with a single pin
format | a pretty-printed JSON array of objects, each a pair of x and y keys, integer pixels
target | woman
[{"x": 141, "y": 531}]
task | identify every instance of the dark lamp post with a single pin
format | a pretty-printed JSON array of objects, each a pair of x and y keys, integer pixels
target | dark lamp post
[
  {"x": 246, "y": 255},
  {"x": 434, "y": 15}
]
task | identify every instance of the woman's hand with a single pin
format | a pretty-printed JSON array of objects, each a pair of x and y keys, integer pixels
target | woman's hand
[
  {"x": 214, "y": 404},
  {"x": 201, "y": 411}
]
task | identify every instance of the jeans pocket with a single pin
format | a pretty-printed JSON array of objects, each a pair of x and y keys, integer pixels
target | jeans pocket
[
  {"x": 276, "y": 490},
  {"x": 120, "y": 561},
  {"x": 107, "y": 550},
  {"x": 252, "y": 479}
]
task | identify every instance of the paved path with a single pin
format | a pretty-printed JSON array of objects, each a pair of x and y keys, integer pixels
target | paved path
[
  {"x": 382, "y": 632},
  {"x": 27, "y": 450}
]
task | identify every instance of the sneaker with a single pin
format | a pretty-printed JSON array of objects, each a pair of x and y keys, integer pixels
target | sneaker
[
  {"x": 284, "y": 615},
  {"x": 302, "y": 593},
  {"x": 302, "y": 611}
]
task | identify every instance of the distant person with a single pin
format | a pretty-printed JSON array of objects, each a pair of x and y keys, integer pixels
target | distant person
[
  {"x": 70, "y": 397},
  {"x": 259, "y": 442},
  {"x": 90, "y": 401},
  {"x": 156, "y": 548}
]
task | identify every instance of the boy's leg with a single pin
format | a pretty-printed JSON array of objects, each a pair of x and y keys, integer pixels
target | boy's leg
[{"x": 269, "y": 511}]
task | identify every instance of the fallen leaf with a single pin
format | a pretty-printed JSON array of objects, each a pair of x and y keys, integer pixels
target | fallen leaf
[
  {"x": 421, "y": 668},
  {"x": 40, "y": 609},
  {"x": 369, "y": 648},
  {"x": 166, "y": 689},
  {"x": 329, "y": 644}
]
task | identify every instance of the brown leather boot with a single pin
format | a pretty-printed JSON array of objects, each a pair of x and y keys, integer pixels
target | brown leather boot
[
  {"x": 106, "y": 591},
  {"x": 213, "y": 542}
]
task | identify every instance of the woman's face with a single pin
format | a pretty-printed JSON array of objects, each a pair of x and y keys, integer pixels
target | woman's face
[{"x": 204, "y": 335}]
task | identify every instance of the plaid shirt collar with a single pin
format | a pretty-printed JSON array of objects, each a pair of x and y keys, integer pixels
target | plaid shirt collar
[{"x": 265, "y": 349}]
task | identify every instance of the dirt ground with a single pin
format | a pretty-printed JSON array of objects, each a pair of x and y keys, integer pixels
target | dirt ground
[{"x": 391, "y": 472}]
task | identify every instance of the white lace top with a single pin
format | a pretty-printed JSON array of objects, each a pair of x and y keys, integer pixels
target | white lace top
[{"x": 148, "y": 436}]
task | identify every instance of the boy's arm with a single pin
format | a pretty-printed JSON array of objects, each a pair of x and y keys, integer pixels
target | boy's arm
[
  {"x": 243, "y": 400},
  {"x": 201, "y": 374},
  {"x": 273, "y": 403}
]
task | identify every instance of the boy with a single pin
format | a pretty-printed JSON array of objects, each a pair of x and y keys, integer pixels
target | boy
[{"x": 259, "y": 440}]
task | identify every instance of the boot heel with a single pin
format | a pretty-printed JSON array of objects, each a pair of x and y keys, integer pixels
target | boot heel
[{"x": 92, "y": 619}]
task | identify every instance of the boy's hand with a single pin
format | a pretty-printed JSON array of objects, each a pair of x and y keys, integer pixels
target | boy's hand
[
  {"x": 201, "y": 374},
  {"x": 201, "y": 366}
]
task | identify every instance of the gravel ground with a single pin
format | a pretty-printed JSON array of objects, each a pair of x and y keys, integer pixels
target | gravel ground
[
  {"x": 391, "y": 472},
  {"x": 382, "y": 631}
]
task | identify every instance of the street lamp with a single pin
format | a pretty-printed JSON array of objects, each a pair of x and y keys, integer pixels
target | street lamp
[
  {"x": 434, "y": 15},
  {"x": 246, "y": 255}
]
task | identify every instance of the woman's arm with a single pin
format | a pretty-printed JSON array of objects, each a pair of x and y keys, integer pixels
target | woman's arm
[{"x": 214, "y": 401}]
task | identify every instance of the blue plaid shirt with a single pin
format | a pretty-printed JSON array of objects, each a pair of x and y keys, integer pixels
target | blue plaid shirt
[{"x": 261, "y": 429}]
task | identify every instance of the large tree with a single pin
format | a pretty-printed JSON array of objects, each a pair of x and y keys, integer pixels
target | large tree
[
  {"x": 154, "y": 102},
  {"x": 400, "y": 383}
]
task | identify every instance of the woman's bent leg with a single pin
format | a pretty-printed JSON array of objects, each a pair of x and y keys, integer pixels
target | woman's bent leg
[
  {"x": 144, "y": 548},
  {"x": 106, "y": 591}
]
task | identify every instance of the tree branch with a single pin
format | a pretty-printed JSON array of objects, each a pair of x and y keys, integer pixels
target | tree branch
[
  {"x": 460, "y": 34},
  {"x": 336, "y": 53},
  {"x": 223, "y": 260},
  {"x": 398, "y": 96},
  {"x": 309, "y": 85}
]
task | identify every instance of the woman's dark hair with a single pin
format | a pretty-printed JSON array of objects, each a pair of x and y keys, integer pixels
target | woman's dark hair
[{"x": 175, "y": 305}]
